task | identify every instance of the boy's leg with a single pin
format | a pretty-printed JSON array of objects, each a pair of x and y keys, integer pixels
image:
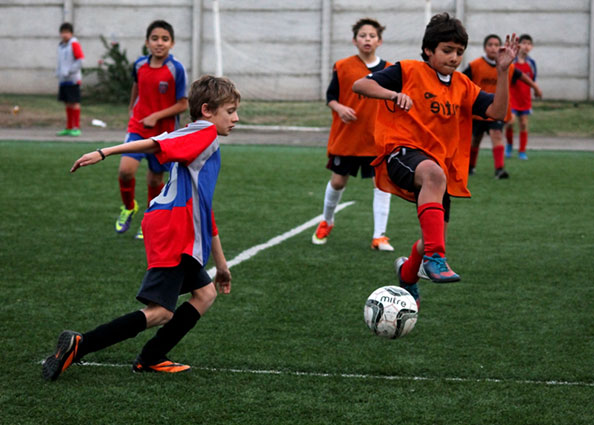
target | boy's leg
[
  {"x": 509, "y": 136},
  {"x": 406, "y": 270},
  {"x": 523, "y": 119},
  {"x": 477, "y": 137},
  {"x": 498, "y": 153},
  {"x": 381, "y": 211},
  {"x": 127, "y": 183},
  {"x": 72, "y": 346},
  {"x": 154, "y": 182},
  {"x": 332, "y": 196},
  {"x": 153, "y": 355},
  {"x": 75, "y": 120}
]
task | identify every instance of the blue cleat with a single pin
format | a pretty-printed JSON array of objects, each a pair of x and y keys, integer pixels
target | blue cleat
[
  {"x": 438, "y": 270},
  {"x": 413, "y": 288},
  {"x": 508, "y": 150},
  {"x": 522, "y": 156}
]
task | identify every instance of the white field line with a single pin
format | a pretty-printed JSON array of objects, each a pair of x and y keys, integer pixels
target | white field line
[
  {"x": 365, "y": 376},
  {"x": 250, "y": 252}
]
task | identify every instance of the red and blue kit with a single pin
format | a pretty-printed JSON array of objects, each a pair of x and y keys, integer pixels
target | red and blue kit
[
  {"x": 520, "y": 92},
  {"x": 180, "y": 220},
  {"x": 439, "y": 123},
  {"x": 158, "y": 89}
]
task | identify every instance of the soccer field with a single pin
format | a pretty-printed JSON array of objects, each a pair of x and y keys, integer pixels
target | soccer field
[{"x": 512, "y": 343}]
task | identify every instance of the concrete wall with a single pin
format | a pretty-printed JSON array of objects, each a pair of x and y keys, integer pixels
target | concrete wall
[{"x": 285, "y": 50}]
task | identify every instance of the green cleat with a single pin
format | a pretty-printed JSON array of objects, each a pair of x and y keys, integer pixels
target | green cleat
[
  {"x": 75, "y": 132},
  {"x": 65, "y": 132},
  {"x": 123, "y": 222},
  {"x": 139, "y": 234}
]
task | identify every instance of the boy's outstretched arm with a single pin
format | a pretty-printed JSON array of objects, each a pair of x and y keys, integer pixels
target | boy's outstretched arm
[
  {"x": 139, "y": 146},
  {"x": 505, "y": 56},
  {"x": 222, "y": 279},
  {"x": 371, "y": 88}
]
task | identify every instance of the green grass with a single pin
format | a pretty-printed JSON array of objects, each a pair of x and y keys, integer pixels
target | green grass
[
  {"x": 522, "y": 314},
  {"x": 553, "y": 118}
]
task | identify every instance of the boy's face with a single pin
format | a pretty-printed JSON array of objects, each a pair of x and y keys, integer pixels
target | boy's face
[
  {"x": 367, "y": 39},
  {"x": 446, "y": 57},
  {"x": 159, "y": 43},
  {"x": 65, "y": 36},
  {"x": 525, "y": 46},
  {"x": 492, "y": 47},
  {"x": 224, "y": 118}
]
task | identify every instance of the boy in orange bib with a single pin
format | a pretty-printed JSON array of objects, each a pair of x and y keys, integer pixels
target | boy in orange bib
[
  {"x": 422, "y": 136},
  {"x": 351, "y": 144}
]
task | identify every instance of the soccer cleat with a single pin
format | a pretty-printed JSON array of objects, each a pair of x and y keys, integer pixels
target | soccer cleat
[
  {"x": 421, "y": 273},
  {"x": 413, "y": 288},
  {"x": 139, "y": 234},
  {"x": 123, "y": 222},
  {"x": 66, "y": 352},
  {"x": 500, "y": 173},
  {"x": 522, "y": 156},
  {"x": 381, "y": 244},
  {"x": 320, "y": 237},
  {"x": 164, "y": 366},
  {"x": 438, "y": 270},
  {"x": 75, "y": 132},
  {"x": 65, "y": 132},
  {"x": 508, "y": 150}
]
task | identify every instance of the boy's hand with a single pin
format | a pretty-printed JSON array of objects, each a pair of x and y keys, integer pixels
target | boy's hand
[
  {"x": 538, "y": 92},
  {"x": 403, "y": 101},
  {"x": 149, "y": 121},
  {"x": 222, "y": 281},
  {"x": 87, "y": 159},
  {"x": 508, "y": 52},
  {"x": 346, "y": 114}
]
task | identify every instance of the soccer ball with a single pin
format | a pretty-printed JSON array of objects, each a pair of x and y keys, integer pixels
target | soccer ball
[{"x": 390, "y": 312}]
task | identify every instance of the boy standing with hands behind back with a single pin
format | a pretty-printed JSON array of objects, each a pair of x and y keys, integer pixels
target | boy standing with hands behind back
[
  {"x": 70, "y": 57},
  {"x": 422, "y": 133},
  {"x": 350, "y": 144}
]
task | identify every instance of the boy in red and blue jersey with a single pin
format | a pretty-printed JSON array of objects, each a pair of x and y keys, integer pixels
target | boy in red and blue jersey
[
  {"x": 158, "y": 96},
  {"x": 521, "y": 98},
  {"x": 180, "y": 233},
  {"x": 68, "y": 71}
]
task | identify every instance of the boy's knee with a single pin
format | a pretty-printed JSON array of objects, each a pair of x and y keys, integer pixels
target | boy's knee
[{"x": 157, "y": 315}]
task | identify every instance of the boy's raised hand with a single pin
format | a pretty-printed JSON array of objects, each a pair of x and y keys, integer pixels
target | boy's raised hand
[
  {"x": 87, "y": 159},
  {"x": 508, "y": 51}
]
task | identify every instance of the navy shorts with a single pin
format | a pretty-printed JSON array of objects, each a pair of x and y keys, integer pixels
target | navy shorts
[
  {"x": 479, "y": 127},
  {"x": 344, "y": 165},
  {"x": 401, "y": 167},
  {"x": 164, "y": 285},
  {"x": 69, "y": 93},
  {"x": 154, "y": 165},
  {"x": 519, "y": 113}
]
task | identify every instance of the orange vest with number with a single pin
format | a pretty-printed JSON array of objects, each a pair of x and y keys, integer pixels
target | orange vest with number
[
  {"x": 485, "y": 76},
  {"x": 439, "y": 123},
  {"x": 356, "y": 137}
]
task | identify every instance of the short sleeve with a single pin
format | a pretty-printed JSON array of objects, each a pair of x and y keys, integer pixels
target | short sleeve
[
  {"x": 389, "y": 78},
  {"x": 481, "y": 103},
  {"x": 77, "y": 50},
  {"x": 184, "y": 147},
  {"x": 181, "y": 86},
  {"x": 333, "y": 88}
]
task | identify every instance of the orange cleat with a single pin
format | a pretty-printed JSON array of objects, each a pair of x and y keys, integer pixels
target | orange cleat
[
  {"x": 381, "y": 244},
  {"x": 320, "y": 237}
]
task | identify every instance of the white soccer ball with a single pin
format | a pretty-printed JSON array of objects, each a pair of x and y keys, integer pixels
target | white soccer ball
[{"x": 390, "y": 312}]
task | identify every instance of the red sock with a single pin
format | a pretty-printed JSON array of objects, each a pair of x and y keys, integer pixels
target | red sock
[
  {"x": 498, "y": 155},
  {"x": 431, "y": 218},
  {"x": 523, "y": 141},
  {"x": 410, "y": 268},
  {"x": 127, "y": 192},
  {"x": 474, "y": 151},
  {"x": 153, "y": 192},
  {"x": 75, "y": 118},
  {"x": 69, "y": 117},
  {"x": 509, "y": 135}
]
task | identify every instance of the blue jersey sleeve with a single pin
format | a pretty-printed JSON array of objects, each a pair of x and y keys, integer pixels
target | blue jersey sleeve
[
  {"x": 389, "y": 78},
  {"x": 482, "y": 102},
  {"x": 181, "y": 85}
]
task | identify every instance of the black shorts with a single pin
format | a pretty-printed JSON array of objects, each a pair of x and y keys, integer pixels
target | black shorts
[
  {"x": 344, "y": 165},
  {"x": 401, "y": 168},
  {"x": 69, "y": 93},
  {"x": 164, "y": 285},
  {"x": 480, "y": 127}
]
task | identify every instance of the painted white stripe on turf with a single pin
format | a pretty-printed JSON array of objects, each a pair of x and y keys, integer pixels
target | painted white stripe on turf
[
  {"x": 250, "y": 252},
  {"x": 364, "y": 376}
]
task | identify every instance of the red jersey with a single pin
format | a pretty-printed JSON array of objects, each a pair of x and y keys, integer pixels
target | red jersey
[
  {"x": 439, "y": 123},
  {"x": 158, "y": 89},
  {"x": 520, "y": 92},
  {"x": 356, "y": 137}
]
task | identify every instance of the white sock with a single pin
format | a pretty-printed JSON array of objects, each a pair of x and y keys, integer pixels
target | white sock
[
  {"x": 331, "y": 200},
  {"x": 381, "y": 210}
]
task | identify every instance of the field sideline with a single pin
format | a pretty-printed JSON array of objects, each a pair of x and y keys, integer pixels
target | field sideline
[{"x": 512, "y": 343}]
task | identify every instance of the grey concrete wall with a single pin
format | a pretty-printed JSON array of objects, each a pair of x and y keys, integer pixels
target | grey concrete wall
[{"x": 285, "y": 50}]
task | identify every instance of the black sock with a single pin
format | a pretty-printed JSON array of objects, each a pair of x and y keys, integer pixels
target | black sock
[
  {"x": 184, "y": 319},
  {"x": 120, "y": 329}
]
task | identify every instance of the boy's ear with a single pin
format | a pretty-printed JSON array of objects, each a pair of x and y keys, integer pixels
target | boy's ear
[
  {"x": 206, "y": 113},
  {"x": 428, "y": 52}
]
